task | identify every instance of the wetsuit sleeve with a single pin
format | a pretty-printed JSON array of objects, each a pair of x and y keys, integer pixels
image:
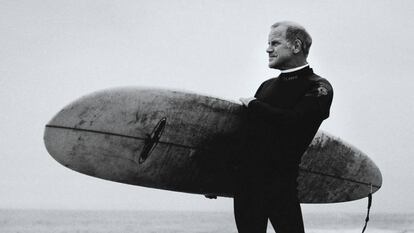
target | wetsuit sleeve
[
  {"x": 259, "y": 89},
  {"x": 315, "y": 104}
]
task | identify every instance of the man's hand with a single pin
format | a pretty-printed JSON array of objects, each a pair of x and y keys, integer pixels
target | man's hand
[
  {"x": 246, "y": 101},
  {"x": 210, "y": 196}
]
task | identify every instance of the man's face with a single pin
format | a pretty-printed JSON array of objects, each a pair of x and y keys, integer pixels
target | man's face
[{"x": 280, "y": 54}]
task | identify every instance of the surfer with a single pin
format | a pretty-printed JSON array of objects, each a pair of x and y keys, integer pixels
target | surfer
[{"x": 283, "y": 117}]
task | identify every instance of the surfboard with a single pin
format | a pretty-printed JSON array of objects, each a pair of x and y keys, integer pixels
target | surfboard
[{"x": 188, "y": 142}]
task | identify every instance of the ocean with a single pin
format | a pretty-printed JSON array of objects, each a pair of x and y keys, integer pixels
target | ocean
[{"x": 81, "y": 221}]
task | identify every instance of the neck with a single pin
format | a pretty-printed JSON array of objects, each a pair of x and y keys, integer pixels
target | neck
[{"x": 295, "y": 61}]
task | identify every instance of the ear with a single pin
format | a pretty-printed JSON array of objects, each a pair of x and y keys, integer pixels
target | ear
[{"x": 297, "y": 46}]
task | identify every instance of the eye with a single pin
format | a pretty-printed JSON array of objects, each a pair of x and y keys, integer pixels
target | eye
[{"x": 274, "y": 43}]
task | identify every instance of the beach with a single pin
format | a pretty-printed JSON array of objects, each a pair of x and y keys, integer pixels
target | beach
[{"x": 106, "y": 221}]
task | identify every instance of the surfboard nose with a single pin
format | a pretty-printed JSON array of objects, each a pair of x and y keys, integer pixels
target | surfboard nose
[
  {"x": 79, "y": 137},
  {"x": 56, "y": 145}
]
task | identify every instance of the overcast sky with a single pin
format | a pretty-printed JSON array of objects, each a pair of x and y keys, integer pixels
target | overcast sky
[{"x": 52, "y": 52}]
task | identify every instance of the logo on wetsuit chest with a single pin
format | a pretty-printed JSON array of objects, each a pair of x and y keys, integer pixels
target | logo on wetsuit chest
[{"x": 290, "y": 78}]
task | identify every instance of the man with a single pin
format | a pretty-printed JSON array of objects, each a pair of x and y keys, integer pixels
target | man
[{"x": 283, "y": 117}]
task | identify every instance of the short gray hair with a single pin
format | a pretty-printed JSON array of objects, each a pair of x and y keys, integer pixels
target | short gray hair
[{"x": 295, "y": 31}]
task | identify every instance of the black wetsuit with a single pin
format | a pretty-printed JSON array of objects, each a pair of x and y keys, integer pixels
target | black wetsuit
[{"x": 282, "y": 122}]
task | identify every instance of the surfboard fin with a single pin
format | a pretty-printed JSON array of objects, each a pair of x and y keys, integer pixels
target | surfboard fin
[{"x": 152, "y": 140}]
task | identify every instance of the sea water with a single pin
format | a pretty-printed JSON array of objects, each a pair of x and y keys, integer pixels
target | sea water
[{"x": 81, "y": 221}]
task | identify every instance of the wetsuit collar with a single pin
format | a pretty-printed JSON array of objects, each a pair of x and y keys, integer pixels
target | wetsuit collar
[
  {"x": 293, "y": 69},
  {"x": 293, "y": 75}
]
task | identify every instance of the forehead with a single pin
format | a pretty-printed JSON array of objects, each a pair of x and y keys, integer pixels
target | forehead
[{"x": 277, "y": 33}]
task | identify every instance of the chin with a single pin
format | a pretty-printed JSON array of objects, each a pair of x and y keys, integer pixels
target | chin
[{"x": 273, "y": 66}]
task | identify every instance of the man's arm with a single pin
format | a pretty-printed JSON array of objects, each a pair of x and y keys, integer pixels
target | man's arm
[{"x": 315, "y": 104}]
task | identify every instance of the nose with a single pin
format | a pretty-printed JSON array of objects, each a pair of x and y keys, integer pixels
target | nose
[{"x": 269, "y": 49}]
